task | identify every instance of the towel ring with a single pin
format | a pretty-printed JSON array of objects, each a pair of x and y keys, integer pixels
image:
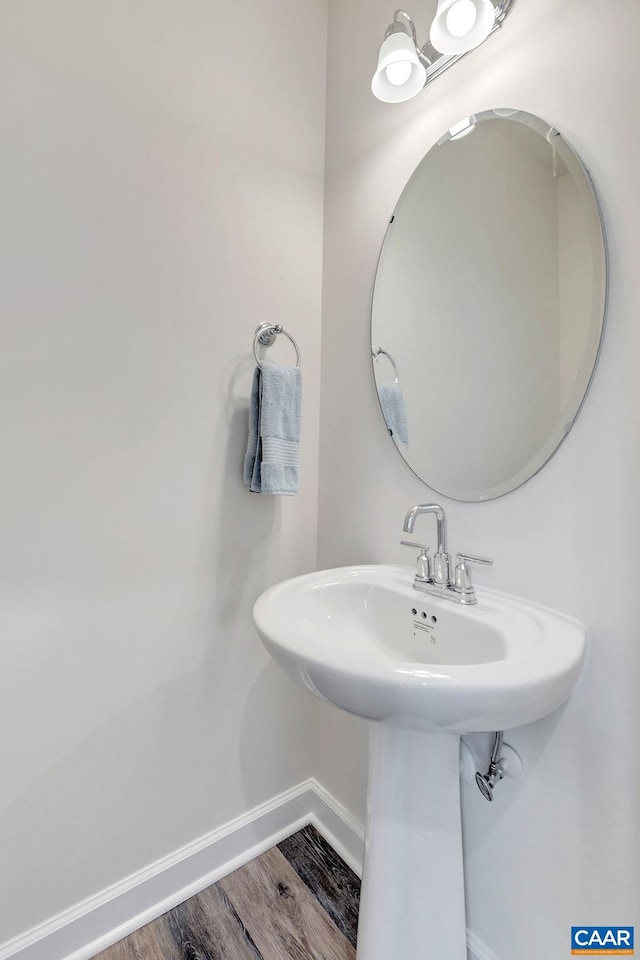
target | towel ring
[
  {"x": 266, "y": 334},
  {"x": 379, "y": 352}
]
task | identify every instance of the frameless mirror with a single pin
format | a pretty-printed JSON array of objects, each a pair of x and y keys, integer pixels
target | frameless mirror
[{"x": 488, "y": 305}]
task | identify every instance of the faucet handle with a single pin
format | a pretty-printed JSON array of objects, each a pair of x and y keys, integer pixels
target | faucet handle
[
  {"x": 469, "y": 558},
  {"x": 462, "y": 579},
  {"x": 423, "y": 572}
]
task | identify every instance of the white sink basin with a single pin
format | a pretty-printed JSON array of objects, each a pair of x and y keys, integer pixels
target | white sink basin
[{"x": 351, "y": 637}]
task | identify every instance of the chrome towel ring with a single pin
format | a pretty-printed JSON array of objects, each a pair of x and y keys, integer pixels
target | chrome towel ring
[
  {"x": 266, "y": 334},
  {"x": 379, "y": 352}
]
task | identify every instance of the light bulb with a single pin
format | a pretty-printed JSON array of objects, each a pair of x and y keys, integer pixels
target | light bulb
[
  {"x": 461, "y": 17},
  {"x": 461, "y": 25},
  {"x": 398, "y": 72}
]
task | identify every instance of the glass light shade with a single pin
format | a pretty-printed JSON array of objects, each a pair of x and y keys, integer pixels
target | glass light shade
[
  {"x": 457, "y": 28},
  {"x": 461, "y": 17},
  {"x": 398, "y": 59}
]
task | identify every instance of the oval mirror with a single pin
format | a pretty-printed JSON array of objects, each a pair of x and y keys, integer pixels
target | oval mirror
[{"x": 488, "y": 306}]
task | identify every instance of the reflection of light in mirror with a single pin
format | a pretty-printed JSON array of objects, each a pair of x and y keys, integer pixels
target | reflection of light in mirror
[
  {"x": 398, "y": 72},
  {"x": 462, "y": 129},
  {"x": 461, "y": 18}
]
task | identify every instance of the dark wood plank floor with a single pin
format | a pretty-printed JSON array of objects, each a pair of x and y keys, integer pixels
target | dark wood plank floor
[{"x": 298, "y": 901}]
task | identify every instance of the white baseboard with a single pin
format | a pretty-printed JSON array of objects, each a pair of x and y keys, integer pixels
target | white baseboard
[
  {"x": 337, "y": 826},
  {"x": 98, "y": 922}
]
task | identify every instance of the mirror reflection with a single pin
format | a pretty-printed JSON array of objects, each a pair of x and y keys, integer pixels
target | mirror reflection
[{"x": 488, "y": 305}]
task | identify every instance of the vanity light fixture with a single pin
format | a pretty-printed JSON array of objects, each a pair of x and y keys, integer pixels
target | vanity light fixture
[{"x": 404, "y": 68}]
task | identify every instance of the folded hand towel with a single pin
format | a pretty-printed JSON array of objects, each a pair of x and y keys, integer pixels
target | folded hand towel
[
  {"x": 251, "y": 458},
  {"x": 271, "y": 460},
  {"x": 394, "y": 412}
]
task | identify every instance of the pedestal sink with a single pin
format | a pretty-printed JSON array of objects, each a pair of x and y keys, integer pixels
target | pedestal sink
[{"x": 426, "y": 670}]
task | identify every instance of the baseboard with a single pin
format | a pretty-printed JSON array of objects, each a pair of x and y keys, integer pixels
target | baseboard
[
  {"x": 95, "y": 924},
  {"x": 338, "y": 826}
]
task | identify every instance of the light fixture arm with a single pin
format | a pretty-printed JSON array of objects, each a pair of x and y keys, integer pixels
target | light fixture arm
[{"x": 397, "y": 26}]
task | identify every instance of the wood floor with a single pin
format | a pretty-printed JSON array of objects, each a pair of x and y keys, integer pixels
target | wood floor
[{"x": 298, "y": 901}]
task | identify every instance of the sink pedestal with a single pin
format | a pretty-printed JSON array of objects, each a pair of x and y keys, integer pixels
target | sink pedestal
[{"x": 412, "y": 901}]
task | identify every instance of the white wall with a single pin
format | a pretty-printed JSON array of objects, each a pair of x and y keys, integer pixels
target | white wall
[
  {"x": 561, "y": 845},
  {"x": 161, "y": 193}
]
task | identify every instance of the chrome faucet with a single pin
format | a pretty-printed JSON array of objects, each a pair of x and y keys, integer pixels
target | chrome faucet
[
  {"x": 441, "y": 559},
  {"x": 436, "y": 579}
]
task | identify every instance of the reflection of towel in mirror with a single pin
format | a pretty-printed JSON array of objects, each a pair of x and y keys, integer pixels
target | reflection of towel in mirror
[
  {"x": 271, "y": 460},
  {"x": 395, "y": 414}
]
